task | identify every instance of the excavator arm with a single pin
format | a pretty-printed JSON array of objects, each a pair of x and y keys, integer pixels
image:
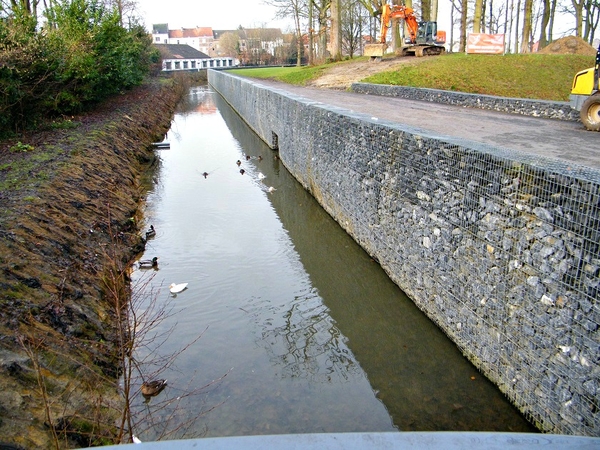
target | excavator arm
[{"x": 398, "y": 12}]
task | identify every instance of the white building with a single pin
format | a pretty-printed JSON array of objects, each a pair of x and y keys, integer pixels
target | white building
[{"x": 184, "y": 57}]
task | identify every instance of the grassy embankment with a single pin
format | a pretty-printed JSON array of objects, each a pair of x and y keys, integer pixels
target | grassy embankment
[{"x": 536, "y": 76}]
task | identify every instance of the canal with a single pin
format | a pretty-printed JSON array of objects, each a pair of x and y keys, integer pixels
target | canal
[{"x": 286, "y": 325}]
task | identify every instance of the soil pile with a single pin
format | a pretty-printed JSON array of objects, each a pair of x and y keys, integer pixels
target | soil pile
[
  {"x": 569, "y": 45},
  {"x": 69, "y": 208},
  {"x": 342, "y": 75}
]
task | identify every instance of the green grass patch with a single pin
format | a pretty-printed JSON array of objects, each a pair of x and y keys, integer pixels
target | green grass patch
[
  {"x": 536, "y": 76},
  {"x": 291, "y": 75},
  {"x": 63, "y": 124},
  {"x": 19, "y": 147}
]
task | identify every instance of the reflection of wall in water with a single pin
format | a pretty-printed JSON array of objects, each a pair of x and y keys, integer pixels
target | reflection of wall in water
[{"x": 303, "y": 341}]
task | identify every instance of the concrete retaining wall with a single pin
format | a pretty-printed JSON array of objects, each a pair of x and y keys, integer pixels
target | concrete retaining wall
[{"x": 500, "y": 249}]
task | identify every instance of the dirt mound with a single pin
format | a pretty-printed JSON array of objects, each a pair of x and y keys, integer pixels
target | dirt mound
[
  {"x": 341, "y": 76},
  {"x": 569, "y": 45}
]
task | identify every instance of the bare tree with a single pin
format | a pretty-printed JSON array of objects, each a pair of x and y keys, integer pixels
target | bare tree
[
  {"x": 297, "y": 10},
  {"x": 229, "y": 44},
  {"x": 463, "y": 26},
  {"x": 353, "y": 22},
  {"x": 425, "y": 10},
  {"x": 321, "y": 7},
  {"x": 578, "y": 10},
  {"x": 477, "y": 16},
  {"x": 592, "y": 17},
  {"x": 544, "y": 25},
  {"x": 527, "y": 26},
  {"x": 336, "y": 30}
]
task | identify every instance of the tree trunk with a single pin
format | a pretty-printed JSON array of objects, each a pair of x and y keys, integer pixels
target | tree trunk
[
  {"x": 544, "y": 25},
  {"x": 527, "y": 22},
  {"x": 517, "y": 26},
  {"x": 578, "y": 6},
  {"x": 336, "y": 30},
  {"x": 477, "y": 14},
  {"x": 463, "y": 26},
  {"x": 551, "y": 22},
  {"x": 425, "y": 10},
  {"x": 311, "y": 34}
]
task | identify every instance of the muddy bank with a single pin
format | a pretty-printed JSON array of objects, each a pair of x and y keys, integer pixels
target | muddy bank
[{"x": 69, "y": 220}]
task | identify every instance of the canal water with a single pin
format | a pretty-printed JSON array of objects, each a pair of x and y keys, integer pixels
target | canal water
[{"x": 286, "y": 325}]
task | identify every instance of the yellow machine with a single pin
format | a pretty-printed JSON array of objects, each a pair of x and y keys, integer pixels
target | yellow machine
[{"x": 585, "y": 96}]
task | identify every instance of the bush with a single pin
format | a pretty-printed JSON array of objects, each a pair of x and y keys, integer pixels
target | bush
[{"x": 80, "y": 57}]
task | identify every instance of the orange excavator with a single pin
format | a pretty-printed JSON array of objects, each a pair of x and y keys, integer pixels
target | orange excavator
[{"x": 423, "y": 37}]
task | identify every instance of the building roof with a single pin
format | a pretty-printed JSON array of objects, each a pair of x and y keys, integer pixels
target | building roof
[
  {"x": 160, "y": 28},
  {"x": 180, "y": 51},
  {"x": 191, "y": 32}
]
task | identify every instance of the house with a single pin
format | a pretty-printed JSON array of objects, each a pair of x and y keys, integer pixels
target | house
[
  {"x": 200, "y": 38},
  {"x": 184, "y": 57},
  {"x": 255, "y": 46}
]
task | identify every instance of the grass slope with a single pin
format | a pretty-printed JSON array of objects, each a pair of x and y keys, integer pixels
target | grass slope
[{"x": 535, "y": 76}]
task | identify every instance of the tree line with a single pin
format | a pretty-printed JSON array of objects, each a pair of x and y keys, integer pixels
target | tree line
[
  {"x": 332, "y": 29},
  {"x": 59, "y": 57}
]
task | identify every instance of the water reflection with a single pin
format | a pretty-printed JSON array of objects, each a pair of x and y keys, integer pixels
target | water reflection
[{"x": 303, "y": 342}]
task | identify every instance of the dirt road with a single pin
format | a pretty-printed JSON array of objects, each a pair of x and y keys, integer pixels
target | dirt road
[{"x": 341, "y": 76}]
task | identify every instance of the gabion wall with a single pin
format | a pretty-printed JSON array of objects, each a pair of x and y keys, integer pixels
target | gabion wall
[
  {"x": 500, "y": 249},
  {"x": 526, "y": 107}
]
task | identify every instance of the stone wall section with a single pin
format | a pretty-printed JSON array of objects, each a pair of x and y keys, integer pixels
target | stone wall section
[{"x": 499, "y": 249}]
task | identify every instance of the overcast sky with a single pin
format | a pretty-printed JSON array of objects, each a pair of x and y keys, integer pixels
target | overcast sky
[{"x": 219, "y": 15}]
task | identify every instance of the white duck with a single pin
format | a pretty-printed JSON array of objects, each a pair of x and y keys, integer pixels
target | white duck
[
  {"x": 261, "y": 176},
  {"x": 177, "y": 288},
  {"x": 271, "y": 189}
]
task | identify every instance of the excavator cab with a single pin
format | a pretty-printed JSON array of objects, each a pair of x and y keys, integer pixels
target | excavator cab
[{"x": 428, "y": 33}]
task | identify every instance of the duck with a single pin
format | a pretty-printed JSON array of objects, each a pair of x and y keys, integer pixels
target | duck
[
  {"x": 259, "y": 158},
  {"x": 152, "y": 388},
  {"x": 242, "y": 171},
  {"x": 148, "y": 263},
  {"x": 151, "y": 232},
  {"x": 204, "y": 174},
  {"x": 261, "y": 176},
  {"x": 271, "y": 189},
  {"x": 177, "y": 288},
  {"x": 248, "y": 157},
  {"x": 238, "y": 162}
]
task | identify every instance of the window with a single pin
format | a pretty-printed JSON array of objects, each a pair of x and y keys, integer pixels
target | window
[
  {"x": 177, "y": 65},
  {"x": 185, "y": 64},
  {"x": 168, "y": 65},
  {"x": 193, "y": 64},
  {"x": 157, "y": 38}
]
